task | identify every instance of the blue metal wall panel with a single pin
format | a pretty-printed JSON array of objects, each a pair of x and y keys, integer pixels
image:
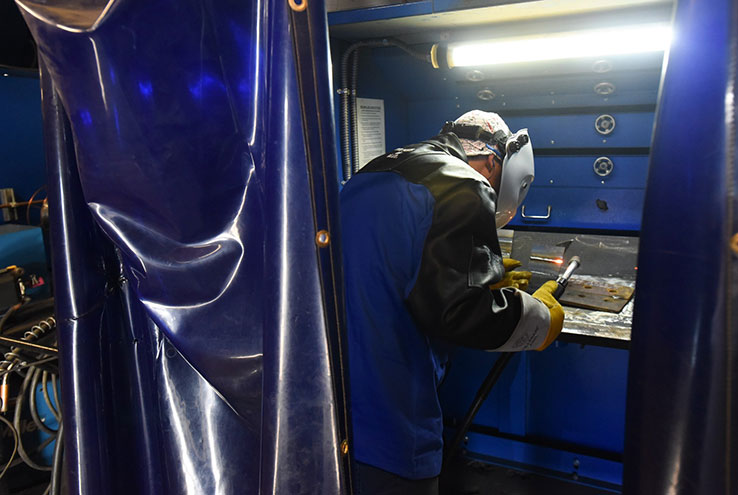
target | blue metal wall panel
[
  {"x": 570, "y": 466},
  {"x": 577, "y": 171},
  {"x": 380, "y": 13},
  {"x": 632, "y": 129},
  {"x": 570, "y": 394},
  {"x": 577, "y": 394},
  {"x": 578, "y": 131},
  {"x": 577, "y": 208}
]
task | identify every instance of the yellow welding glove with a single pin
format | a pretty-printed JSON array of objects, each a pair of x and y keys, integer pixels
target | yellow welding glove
[
  {"x": 545, "y": 295},
  {"x": 518, "y": 280}
]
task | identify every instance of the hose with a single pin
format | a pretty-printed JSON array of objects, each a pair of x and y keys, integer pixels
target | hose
[
  {"x": 345, "y": 91},
  {"x": 37, "y": 450},
  {"x": 55, "y": 483},
  {"x": 47, "y": 399},
  {"x": 16, "y": 423},
  {"x": 482, "y": 393},
  {"x": 32, "y": 404},
  {"x": 16, "y": 438},
  {"x": 55, "y": 391}
]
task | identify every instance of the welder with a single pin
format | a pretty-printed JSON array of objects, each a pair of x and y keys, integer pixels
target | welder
[{"x": 424, "y": 273}]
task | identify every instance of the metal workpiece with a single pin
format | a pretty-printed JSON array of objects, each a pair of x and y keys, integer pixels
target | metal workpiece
[
  {"x": 195, "y": 306},
  {"x": 599, "y": 327}
]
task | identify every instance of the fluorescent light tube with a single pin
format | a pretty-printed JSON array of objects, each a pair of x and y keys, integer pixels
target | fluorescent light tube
[{"x": 577, "y": 44}]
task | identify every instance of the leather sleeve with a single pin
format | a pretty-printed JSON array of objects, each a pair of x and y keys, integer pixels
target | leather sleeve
[{"x": 461, "y": 258}]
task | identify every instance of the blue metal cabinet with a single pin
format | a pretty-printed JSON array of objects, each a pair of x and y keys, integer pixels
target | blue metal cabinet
[
  {"x": 578, "y": 171},
  {"x": 561, "y": 410}
]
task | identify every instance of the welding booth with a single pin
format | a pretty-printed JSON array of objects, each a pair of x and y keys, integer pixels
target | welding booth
[{"x": 193, "y": 153}]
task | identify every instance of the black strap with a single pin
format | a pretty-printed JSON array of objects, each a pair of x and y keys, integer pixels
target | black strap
[{"x": 477, "y": 133}]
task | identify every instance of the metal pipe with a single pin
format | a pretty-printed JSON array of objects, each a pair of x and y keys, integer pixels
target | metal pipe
[
  {"x": 18, "y": 204},
  {"x": 354, "y": 113},
  {"x": 345, "y": 92},
  {"x": 29, "y": 345}
]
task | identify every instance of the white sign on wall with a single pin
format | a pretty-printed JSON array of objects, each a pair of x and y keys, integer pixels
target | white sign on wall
[{"x": 370, "y": 119}]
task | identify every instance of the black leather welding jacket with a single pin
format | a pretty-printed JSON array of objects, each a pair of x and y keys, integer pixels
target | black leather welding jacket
[{"x": 461, "y": 256}]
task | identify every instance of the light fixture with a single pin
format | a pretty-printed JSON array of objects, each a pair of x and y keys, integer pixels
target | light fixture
[{"x": 555, "y": 46}]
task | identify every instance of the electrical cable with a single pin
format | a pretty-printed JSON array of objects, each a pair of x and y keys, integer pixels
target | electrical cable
[
  {"x": 16, "y": 423},
  {"x": 16, "y": 437},
  {"x": 56, "y": 464},
  {"x": 37, "y": 450},
  {"x": 44, "y": 380},
  {"x": 29, "y": 365},
  {"x": 33, "y": 405},
  {"x": 55, "y": 391}
]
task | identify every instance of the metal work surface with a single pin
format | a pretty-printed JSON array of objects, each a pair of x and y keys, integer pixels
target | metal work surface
[
  {"x": 599, "y": 327},
  {"x": 195, "y": 250}
]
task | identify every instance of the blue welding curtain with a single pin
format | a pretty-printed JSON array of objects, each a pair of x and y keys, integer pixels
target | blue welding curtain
[
  {"x": 682, "y": 414},
  {"x": 191, "y": 167}
]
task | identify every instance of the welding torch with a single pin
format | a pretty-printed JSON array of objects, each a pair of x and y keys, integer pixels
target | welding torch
[{"x": 563, "y": 280}]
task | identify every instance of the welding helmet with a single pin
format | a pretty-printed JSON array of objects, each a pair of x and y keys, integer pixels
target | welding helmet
[
  {"x": 518, "y": 172},
  {"x": 485, "y": 133}
]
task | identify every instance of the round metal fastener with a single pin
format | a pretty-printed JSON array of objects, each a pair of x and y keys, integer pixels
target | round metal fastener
[
  {"x": 603, "y": 166},
  {"x": 605, "y": 124},
  {"x": 322, "y": 238},
  {"x": 298, "y": 5},
  {"x": 475, "y": 75},
  {"x": 734, "y": 243},
  {"x": 602, "y": 66},
  {"x": 485, "y": 94},
  {"x": 344, "y": 447},
  {"x": 604, "y": 88}
]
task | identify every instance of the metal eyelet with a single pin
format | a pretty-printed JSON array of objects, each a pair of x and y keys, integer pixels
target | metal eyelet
[
  {"x": 298, "y": 7},
  {"x": 322, "y": 238}
]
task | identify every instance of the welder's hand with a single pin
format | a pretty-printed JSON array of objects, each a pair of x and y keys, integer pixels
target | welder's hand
[
  {"x": 545, "y": 295},
  {"x": 518, "y": 280}
]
